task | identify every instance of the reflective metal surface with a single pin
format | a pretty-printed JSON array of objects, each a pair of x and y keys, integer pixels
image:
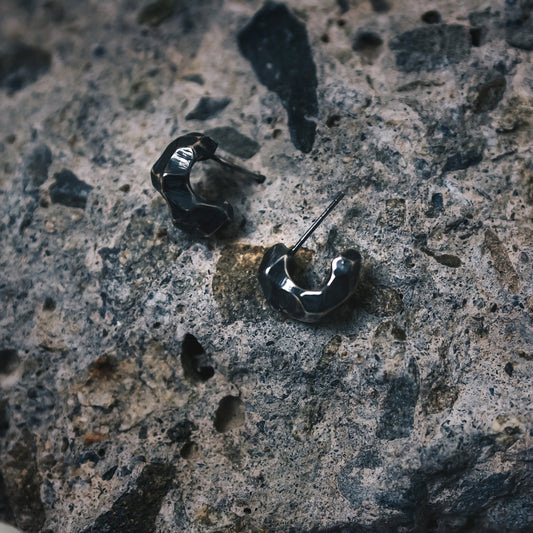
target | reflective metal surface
[
  {"x": 171, "y": 177},
  {"x": 302, "y": 304}
]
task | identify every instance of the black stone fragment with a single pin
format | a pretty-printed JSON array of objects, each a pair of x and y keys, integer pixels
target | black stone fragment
[
  {"x": 4, "y": 426},
  {"x": 488, "y": 95},
  {"x": 276, "y": 44},
  {"x": 431, "y": 17},
  {"x": 464, "y": 159},
  {"x": 398, "y": 410},
  {"x": 380, "y": 6},
  {"x": 431, "y": 48},
  {"x": 108, "y": 474},
  {"x": 519, "y": 24},
  {"x": 69, "y": 190},
  {"x": 137, "y": 509},
  {"x": 9, "y": 360},
  {"x": 366, "y": 40},
  {"x": 344, "y": 6},
  {"x": 234, "y": 142},
  {"x": 437, "y": 201},
  {"x": 156, "y": 12},
  {"x": 21, "y": 65},
  {"x": 509, "y": 369},
  {"x": 194, "y": 78},
  {"x": 6, "y": 513},
  {"x": 207, "y": 107}
]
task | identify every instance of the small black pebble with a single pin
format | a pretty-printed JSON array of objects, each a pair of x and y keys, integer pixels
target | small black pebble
[
  {"x": 509, "y": 369},
  {"x": 431, "y": 17},
  {"x": 49, "y": 304},
  {"x": 99, "y": 51}
]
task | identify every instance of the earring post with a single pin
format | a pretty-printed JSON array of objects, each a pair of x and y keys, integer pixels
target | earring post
[
  {"x": 259, "y": 178},
  {"x": 317, "y": 223}
]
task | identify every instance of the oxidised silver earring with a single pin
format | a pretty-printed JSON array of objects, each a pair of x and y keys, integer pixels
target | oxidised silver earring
[
  {"x": 301, "y": 304},
  {"x": 171, "y": 177}
]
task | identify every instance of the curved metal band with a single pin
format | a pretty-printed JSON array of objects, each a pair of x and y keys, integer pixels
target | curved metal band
[
  {"x": 171, "y": 177},
  {"x": 302, "y": 304}
]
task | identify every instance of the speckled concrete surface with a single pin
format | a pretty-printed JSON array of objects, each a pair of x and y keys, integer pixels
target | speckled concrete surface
[{"x": 145, "y": 384}]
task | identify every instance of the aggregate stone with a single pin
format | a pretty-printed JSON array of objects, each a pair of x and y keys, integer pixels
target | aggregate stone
[{"x": 146, "y": 385}]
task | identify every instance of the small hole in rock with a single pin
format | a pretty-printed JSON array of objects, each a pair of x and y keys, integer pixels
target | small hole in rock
[
  {"x": 9, "y": 361},
  {"x": 431, "y": 17},
  {"x": 230, "y": 414},
  {"x": 189, "y": 450},
  {"x": 366, "y": 40},
  {"x": 476, "y": 35},
  {"x": 194, "y": 360},
  {"x": 49, "y": 304},
  {"x": 333, "y": 121}
]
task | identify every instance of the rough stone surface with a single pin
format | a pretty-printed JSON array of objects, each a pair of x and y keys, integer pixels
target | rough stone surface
[{"x": 144, "y": 383}]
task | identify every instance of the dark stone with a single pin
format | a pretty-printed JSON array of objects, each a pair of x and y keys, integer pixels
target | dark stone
[
  {"x": 207, "y": 107},
  {"x": 380, "y": 6},
  {"x": 9, "y": 361},
  {"x": 437, "y": 201},
  {"x": 137, "y": 509},
  {"x": 21, "y": 65},
  {"x": 4, "y": 421},
  {"x": 448, "y": 260},
  {"x": 99, "y": 51},
  {"x": 234, "y": 142},
  {"x": 398, "y": 410},
  {"x": 276, "y": 44},
  {"x": 366, "y": 40},
  {"x": 464, "y": 159},
  {"x": 509, "y": 369},
  {"x": 156, "y": 12},
  {"x": 36, "y": 165},
  {"x": 69, "y": 190},
  {"x": 519, "y": 24},
  {"x": 477, "y": 35},
  {"x": 431, "y": 48},
  {"x": 344, "y": 6},
  {"x": 195, "y": 78},
  {"x": 488, "y": 95},
  {"x": 89, "y": 456},
  {"x": 108, "y": 474},
  {"x": 431, "y": 17},
  {"x": 6, "y": 513}
]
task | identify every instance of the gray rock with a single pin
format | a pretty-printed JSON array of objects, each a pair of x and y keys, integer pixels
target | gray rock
[{"x": 146, "y": 385}]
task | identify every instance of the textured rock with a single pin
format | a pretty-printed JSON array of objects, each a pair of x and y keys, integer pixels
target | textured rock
[{"x": 145, "y": 384}]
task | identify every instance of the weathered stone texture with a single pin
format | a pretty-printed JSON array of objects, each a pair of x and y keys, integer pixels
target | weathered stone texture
[{"x": 146, "y": 386}]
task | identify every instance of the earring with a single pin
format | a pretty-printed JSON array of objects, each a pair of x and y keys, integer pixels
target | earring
[
  {"x": 301, "y": 304},
  {"x": 171, "y": 178}
]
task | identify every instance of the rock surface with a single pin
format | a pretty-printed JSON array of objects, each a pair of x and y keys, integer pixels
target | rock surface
[{"x": 144, "y": 383}]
